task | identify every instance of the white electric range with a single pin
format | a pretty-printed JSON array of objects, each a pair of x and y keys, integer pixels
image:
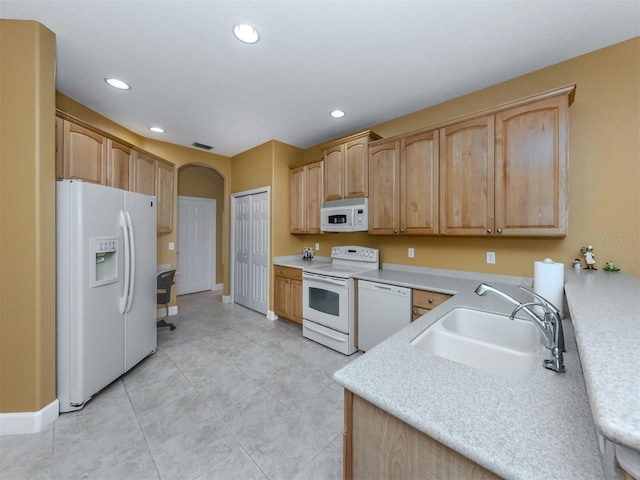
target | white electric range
[{"x": 328, "y": 307}]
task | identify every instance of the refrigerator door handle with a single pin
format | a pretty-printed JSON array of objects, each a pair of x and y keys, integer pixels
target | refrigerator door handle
[
  {"x": 125, "y": 233},
  {"x": 132, "y": 262}
]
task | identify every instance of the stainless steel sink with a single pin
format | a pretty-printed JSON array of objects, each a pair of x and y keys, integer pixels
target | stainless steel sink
[{"x": 487, "y": 341}]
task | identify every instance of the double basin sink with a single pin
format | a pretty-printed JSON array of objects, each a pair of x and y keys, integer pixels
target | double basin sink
[{"x": 487, "y": 341}]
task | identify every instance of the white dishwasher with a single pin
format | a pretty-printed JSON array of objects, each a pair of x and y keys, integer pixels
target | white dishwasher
[{"x": 382, "y": 311}]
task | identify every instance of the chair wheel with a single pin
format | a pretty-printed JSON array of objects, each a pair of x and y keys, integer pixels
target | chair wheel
[{"x": 172, "y": 327}]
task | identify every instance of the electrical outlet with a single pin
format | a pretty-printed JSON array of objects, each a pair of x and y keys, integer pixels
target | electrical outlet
[
  {"x": 317, "y": 247},
  {"x": 411, "y": 253},
  {"x": 172, "y": 246},
  {"x": 491, "y": 257}
]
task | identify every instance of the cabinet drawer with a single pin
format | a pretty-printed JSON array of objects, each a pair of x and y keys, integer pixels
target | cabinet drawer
[
  {"x": 288, "y": 272},
  {"x": 428, "y": 300},
  {"x": 417, "y": 312}
]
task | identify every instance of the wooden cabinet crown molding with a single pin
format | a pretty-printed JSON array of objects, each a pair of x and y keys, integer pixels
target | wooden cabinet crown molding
[
  {"x": 366, "y": 133},
  {"x": 569, "y": 90}
]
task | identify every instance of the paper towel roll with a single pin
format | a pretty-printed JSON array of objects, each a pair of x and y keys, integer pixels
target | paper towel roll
[{"x": 548, "y": 282}]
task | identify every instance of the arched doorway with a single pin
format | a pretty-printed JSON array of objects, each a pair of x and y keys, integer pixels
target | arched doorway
[{"x": 200, "y": 229}]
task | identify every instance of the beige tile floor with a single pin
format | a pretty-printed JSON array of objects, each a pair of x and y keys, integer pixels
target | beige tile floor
[{"x": 228, "y": 395}]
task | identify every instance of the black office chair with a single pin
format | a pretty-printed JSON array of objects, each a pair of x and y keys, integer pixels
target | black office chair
[{"x": 165, "y": 282}]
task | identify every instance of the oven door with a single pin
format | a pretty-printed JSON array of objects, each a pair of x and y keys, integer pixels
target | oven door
[{"x": 325, "y": 300}]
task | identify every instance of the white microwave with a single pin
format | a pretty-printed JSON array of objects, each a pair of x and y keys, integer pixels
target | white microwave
[{"x": 351, "y": 215}]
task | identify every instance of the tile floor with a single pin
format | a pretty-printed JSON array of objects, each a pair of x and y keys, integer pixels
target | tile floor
[{"x": 228, "y": 395}]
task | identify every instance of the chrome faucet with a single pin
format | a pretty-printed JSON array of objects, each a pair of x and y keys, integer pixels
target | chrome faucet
[{"x": 549, "y": 323}]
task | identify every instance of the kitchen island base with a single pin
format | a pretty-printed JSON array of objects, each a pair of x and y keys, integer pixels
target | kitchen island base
[{"x": 379, "y": 446}]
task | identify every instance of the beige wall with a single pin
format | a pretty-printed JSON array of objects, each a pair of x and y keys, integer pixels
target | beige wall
[
  {"x": 204, "y": 182},
  {"x": 604, "y": 171},
  {"x": 27, "y": 217}
]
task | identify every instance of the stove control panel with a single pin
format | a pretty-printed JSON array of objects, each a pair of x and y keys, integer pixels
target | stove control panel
[{"x": 350, "y": 252}]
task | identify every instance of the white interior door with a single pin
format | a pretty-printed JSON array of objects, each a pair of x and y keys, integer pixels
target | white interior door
[
  {"x": 196, "y": 244},
  {"x": 251, "y": 250},
  {"x": 242, "y": 225},
  {"x": 260, "y": 252}
]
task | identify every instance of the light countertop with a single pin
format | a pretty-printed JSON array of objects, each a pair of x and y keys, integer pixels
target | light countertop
[{"x": 535, "y": 429}]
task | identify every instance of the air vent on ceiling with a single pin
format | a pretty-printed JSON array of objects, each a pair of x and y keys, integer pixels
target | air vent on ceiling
[{"x": 201, "y": 145}]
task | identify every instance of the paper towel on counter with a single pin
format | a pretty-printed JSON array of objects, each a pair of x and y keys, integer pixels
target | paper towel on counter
[{"x": 548, "y": 282}]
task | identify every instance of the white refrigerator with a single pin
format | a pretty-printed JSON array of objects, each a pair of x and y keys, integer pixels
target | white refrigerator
[{"x": 106, "y": 287}]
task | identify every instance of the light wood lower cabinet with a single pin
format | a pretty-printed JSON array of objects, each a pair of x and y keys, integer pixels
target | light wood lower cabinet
[
  {"x": 426, "y": 300},
  {"x": 288, "y": 293},
  {"x": 379, "y": 446}
]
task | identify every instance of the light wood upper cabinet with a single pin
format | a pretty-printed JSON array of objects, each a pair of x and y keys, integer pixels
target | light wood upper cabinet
[
  {"x": 506, "y": 173},
  {"x": 144, "y": 173},
  {"x": 531, "y": 169},
  {"x": 466, "y": 177},
  {"x": 118, "y": 165},
  {"x": 306, "y": 197},
  {"x": 419, "y": 183},
  {"x": 153, "y": 176},
  {"x": 164, "y": 195},
  {"x": 384, "y": 198},
  {"x": 84, "y": 153},
  {"x": 346, "y": 167},
  {"x": 403, "y": 185}
]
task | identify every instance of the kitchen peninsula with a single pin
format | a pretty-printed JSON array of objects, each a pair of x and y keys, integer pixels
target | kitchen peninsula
[{"x": 543, "y": 427}]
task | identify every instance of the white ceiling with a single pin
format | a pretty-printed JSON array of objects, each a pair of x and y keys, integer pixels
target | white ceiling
[{"x": 375, "y": 59}]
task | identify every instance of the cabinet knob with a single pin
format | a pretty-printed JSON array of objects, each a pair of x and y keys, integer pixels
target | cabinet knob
[
  {"x": 499, "y": 230},
  {"x": 489, "y": 230},
  {"x": 395, "y": 230},
  {"x": 430, "y": 300},
  {"x": 288, "y": 281},
  {"x": 415, "y": 312}
]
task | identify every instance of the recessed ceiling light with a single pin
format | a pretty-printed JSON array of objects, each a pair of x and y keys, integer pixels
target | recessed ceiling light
[
  {"x": 337, "y": 114},
  {"x": 156, "y": 129},
  {"x": 246, "y": 33},
  {"x": 119, "y": 84}
]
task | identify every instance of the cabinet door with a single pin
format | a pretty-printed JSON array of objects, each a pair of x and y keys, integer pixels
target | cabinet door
[
  {"x": 356, "y": 157},
  {"x": 383, "y": 188},
  {"x": 282, "y": 297},
  {"x": 118, "y": 165},
  {"x": 313, "y": 198},
  {"x": 84, "y": 153},
  {"x": 531, "y": 169},
  {"x": 164, "y": 196},
  {"x": 419, "y": 184},
  {"x": 296, "y": 300},
  {"x": 298, "y": 193},
  {"x": 334, "y": 173},
  {"x": 59, "y": 148},
  {"x": 466, "y": 177},
  {"x": 144, "y": 173}
]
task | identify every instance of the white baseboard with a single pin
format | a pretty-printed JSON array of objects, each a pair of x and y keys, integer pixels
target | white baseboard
[
  {"x": 226, "y": 298},
  {"x": 271, "y": 315},
  {"x": 29, "y": 422},
  {"x": 162, "y": 312},
  {"x": 218, "y": 286}
]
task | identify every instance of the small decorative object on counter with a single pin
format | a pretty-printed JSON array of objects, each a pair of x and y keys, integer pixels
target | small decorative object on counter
[
  {"x": 589, "y": 257},
  {"x": 307, "y": 253},
  {"x": 611, "y": 267},
  {"x": 577, "y": 264}
]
